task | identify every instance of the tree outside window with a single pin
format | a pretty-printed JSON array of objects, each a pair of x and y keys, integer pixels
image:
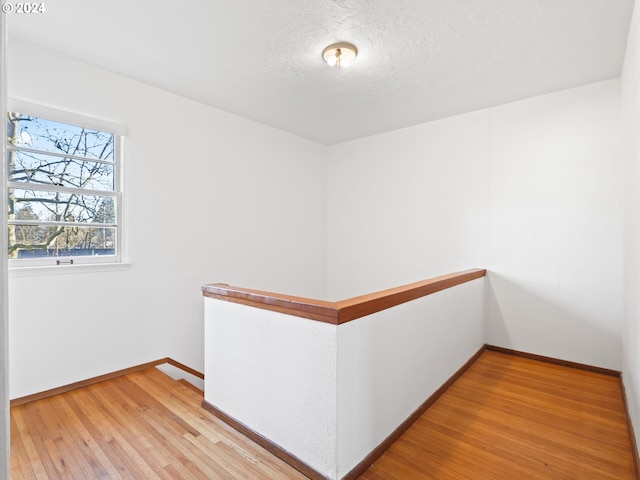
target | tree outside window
[{"x": 62, "y": 185}]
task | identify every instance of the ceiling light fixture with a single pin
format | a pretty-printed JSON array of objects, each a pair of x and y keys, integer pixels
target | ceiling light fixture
[{"x": 340, "y": 54}]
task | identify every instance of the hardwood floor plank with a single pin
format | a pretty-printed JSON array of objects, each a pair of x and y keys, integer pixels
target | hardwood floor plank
[
  {"x": 565, "y": 404},
  {"x": 39, "y": 435},
  {"x": 186, "y": 453},
  {"x": 22, "y": 468},
  {"x": 72, "y": 449},
  {"x": 537, "y": 453},
  {"x": 505, "y": 418},
  {"x": 106, "y": 431},
  {"x": 152, "y": 452},
  {"x": 510, "y": 417},
  {"x": 271, "y": 466},
  {"x": 142, "y": 425},
  {"x": 517, "y": 428},
  {"x": 110, "y": 470}
]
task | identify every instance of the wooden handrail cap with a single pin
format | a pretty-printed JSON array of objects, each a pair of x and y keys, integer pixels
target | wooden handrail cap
[{"x": 344, "y": 310}]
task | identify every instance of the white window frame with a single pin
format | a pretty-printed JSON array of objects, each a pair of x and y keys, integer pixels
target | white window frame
[{"x": 54, "y": 114}]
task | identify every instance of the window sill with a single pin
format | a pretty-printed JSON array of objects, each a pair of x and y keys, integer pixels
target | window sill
[{"x": 16, "y": 272}]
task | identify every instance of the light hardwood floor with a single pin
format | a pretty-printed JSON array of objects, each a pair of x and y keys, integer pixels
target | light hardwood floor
[
  {"x": 505, "y": 418},
  {"x": 512, "y": 418},
  {"x": 144, "y": 425}
]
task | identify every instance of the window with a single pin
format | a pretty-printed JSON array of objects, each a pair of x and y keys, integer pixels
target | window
[{"x": 63, "y": 186}]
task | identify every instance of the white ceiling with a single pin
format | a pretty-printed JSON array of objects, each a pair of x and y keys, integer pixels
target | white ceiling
[{"x": 419, "y": 60}]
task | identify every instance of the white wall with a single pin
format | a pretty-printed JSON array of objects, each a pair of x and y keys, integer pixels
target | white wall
[
  {"x": 209, "y": 197},
  {"x": 631, "y": 330},
  {"x": 530, "y": 190},
  {"x": 407, "y": 205},
  {"x": 276, "y": 374},
  {"x": 390, "y": 362},
  {"x": 556, "y": 226}
]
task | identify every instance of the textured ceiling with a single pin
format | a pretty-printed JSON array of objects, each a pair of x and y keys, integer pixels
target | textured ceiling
[{"x": 419, "y": 60}]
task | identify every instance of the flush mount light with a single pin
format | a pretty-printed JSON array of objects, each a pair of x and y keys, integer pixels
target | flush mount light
[{"x": 340, "y": 54}]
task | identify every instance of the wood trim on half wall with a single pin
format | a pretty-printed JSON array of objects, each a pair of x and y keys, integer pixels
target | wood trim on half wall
[
  {"x": 297, "y": 306},
  {"x": 345, "y": 310},
  {"x": 361, "y": 306}
]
